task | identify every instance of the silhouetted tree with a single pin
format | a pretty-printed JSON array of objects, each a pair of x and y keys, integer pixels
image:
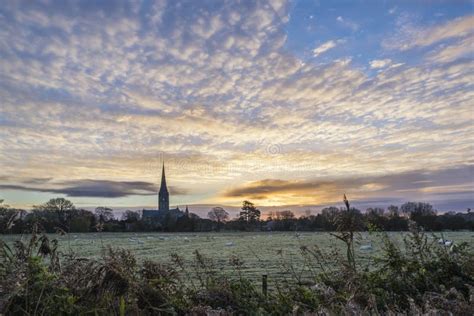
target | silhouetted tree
[
  {"x": 285, "y": 220},
  {"x": 59, "y": 208},
  {"x": 375, "y": 216},
  {"x": 219, "y": 215},
  {"x": 328, "y": 217},
  {"x": 130, "y": 216},
  {"x": 422, "y": 213},
  {"x": 187, "y": 223},
  {"x": 61, "y": 213},
  {"x": 249, "y": 216},
  {"x": 286, "y": 215},
  {"x": 249, "y": 212},
  {"x": 104, "y": 214},
  {"x": 82, "y": 221},
  {"x": 393, "y": 211}
]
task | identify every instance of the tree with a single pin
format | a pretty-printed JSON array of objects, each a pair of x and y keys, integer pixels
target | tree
[
  {"x": 393, "y": 211},
  {"x": 7, "y": 217},
  {"x": 249, "y": 212},
  {"x": 417, "y": 209},
  {"x": 81, "y": 224},
  {"x": 285, "y": 220},
  {"x": 104, "y": 214},
  {"x": 375, "y": 211},
  {"x": 270, "y": 216},
  {"x": 328, "y": 217},
  {"x": 83, "y": 220},
  {"x": 188, "y": 222},
  {"x": 286, "y": 215},
  {"x": 219, "y": 215},
  {"x": 60, "y": 206},
  {"x": 130, "y": 216},
  {"x": 375, "y": 217},
  {"x": 395, "y": 221},
  {"x": 422, "y": 213}
]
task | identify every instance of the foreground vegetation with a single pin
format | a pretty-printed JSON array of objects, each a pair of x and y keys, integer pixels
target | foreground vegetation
[{"x": 423, "y": 276}]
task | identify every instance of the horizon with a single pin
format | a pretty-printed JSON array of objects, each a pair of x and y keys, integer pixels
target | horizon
[
  {"x": 282, "y": 103},
  {"x": 202, "y": 210}
]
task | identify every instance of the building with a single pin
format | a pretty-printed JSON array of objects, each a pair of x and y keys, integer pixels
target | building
[{"x": 163, "y": 213}]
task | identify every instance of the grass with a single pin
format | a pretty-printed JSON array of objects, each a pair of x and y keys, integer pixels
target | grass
[
  {"x": 199, "y": 274},
  {"x": 261, "y": 253}
]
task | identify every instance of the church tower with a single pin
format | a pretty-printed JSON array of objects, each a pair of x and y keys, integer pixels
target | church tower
[{"x": 163, "y": 195}]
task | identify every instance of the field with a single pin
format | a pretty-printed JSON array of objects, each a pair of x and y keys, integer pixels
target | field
[{"x": 262, "y": 253}]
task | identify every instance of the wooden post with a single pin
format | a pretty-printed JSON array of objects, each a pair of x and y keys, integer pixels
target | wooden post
[{"x": 264, "y": 284}]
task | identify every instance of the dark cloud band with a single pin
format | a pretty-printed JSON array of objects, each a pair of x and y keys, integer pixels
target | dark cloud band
[{"x": 96, "y": 188}]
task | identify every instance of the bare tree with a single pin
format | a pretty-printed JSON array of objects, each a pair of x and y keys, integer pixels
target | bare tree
[
  {"x": 219, "y": 215},
  {"x": 131, "y": 216},
  {"x": 286, "y": 215},
  {"x": 104, "y": 214}
]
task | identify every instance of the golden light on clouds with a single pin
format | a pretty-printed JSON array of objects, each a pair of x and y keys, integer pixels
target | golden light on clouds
[{"x": 237, "y": 101}]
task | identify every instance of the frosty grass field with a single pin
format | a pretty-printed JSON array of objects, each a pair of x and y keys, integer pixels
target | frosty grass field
[{"x": 268, "y": 253}]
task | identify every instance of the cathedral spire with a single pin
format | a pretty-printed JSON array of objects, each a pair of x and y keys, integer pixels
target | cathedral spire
[
  {"x": 163, "y": 195},
  {"x": 163, "y": 179}
]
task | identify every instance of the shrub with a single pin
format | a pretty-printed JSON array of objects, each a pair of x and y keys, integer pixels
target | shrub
[{"x": 416, "y": 277}]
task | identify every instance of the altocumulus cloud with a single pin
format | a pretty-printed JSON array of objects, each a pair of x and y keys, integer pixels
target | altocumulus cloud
[
  {"x": 97, "y": 91},
  {"x": 380, "y": 63},
  {"x": 326, "y": 46}
]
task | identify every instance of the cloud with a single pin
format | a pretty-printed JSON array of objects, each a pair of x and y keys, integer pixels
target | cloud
[
  {"x": 456, "y": 28},
  {"x": 412, "y": 36},
  {"x": 419, "y": 184},
  {"x": 99, "y": 92},
  {"x": 37, "y": 180},
  {"x": 94, "y": 188},
  {"x": 380, "y": 63},
  {"x": 448, "y": 53},
  {"x": 262, "y": 188},
  {"x": 326, "y": 46}
]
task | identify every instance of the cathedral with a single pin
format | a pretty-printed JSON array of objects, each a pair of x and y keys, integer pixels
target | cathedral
[{"x": 163, "y": 210}]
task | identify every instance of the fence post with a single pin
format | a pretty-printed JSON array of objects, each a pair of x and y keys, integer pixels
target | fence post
[{"x": 264, "y": 284}]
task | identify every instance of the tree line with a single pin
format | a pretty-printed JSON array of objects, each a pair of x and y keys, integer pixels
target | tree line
[{"x": 60, "y": 215}]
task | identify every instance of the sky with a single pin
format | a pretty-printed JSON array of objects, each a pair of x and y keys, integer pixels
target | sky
[{"x": 288, "y": 104}]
